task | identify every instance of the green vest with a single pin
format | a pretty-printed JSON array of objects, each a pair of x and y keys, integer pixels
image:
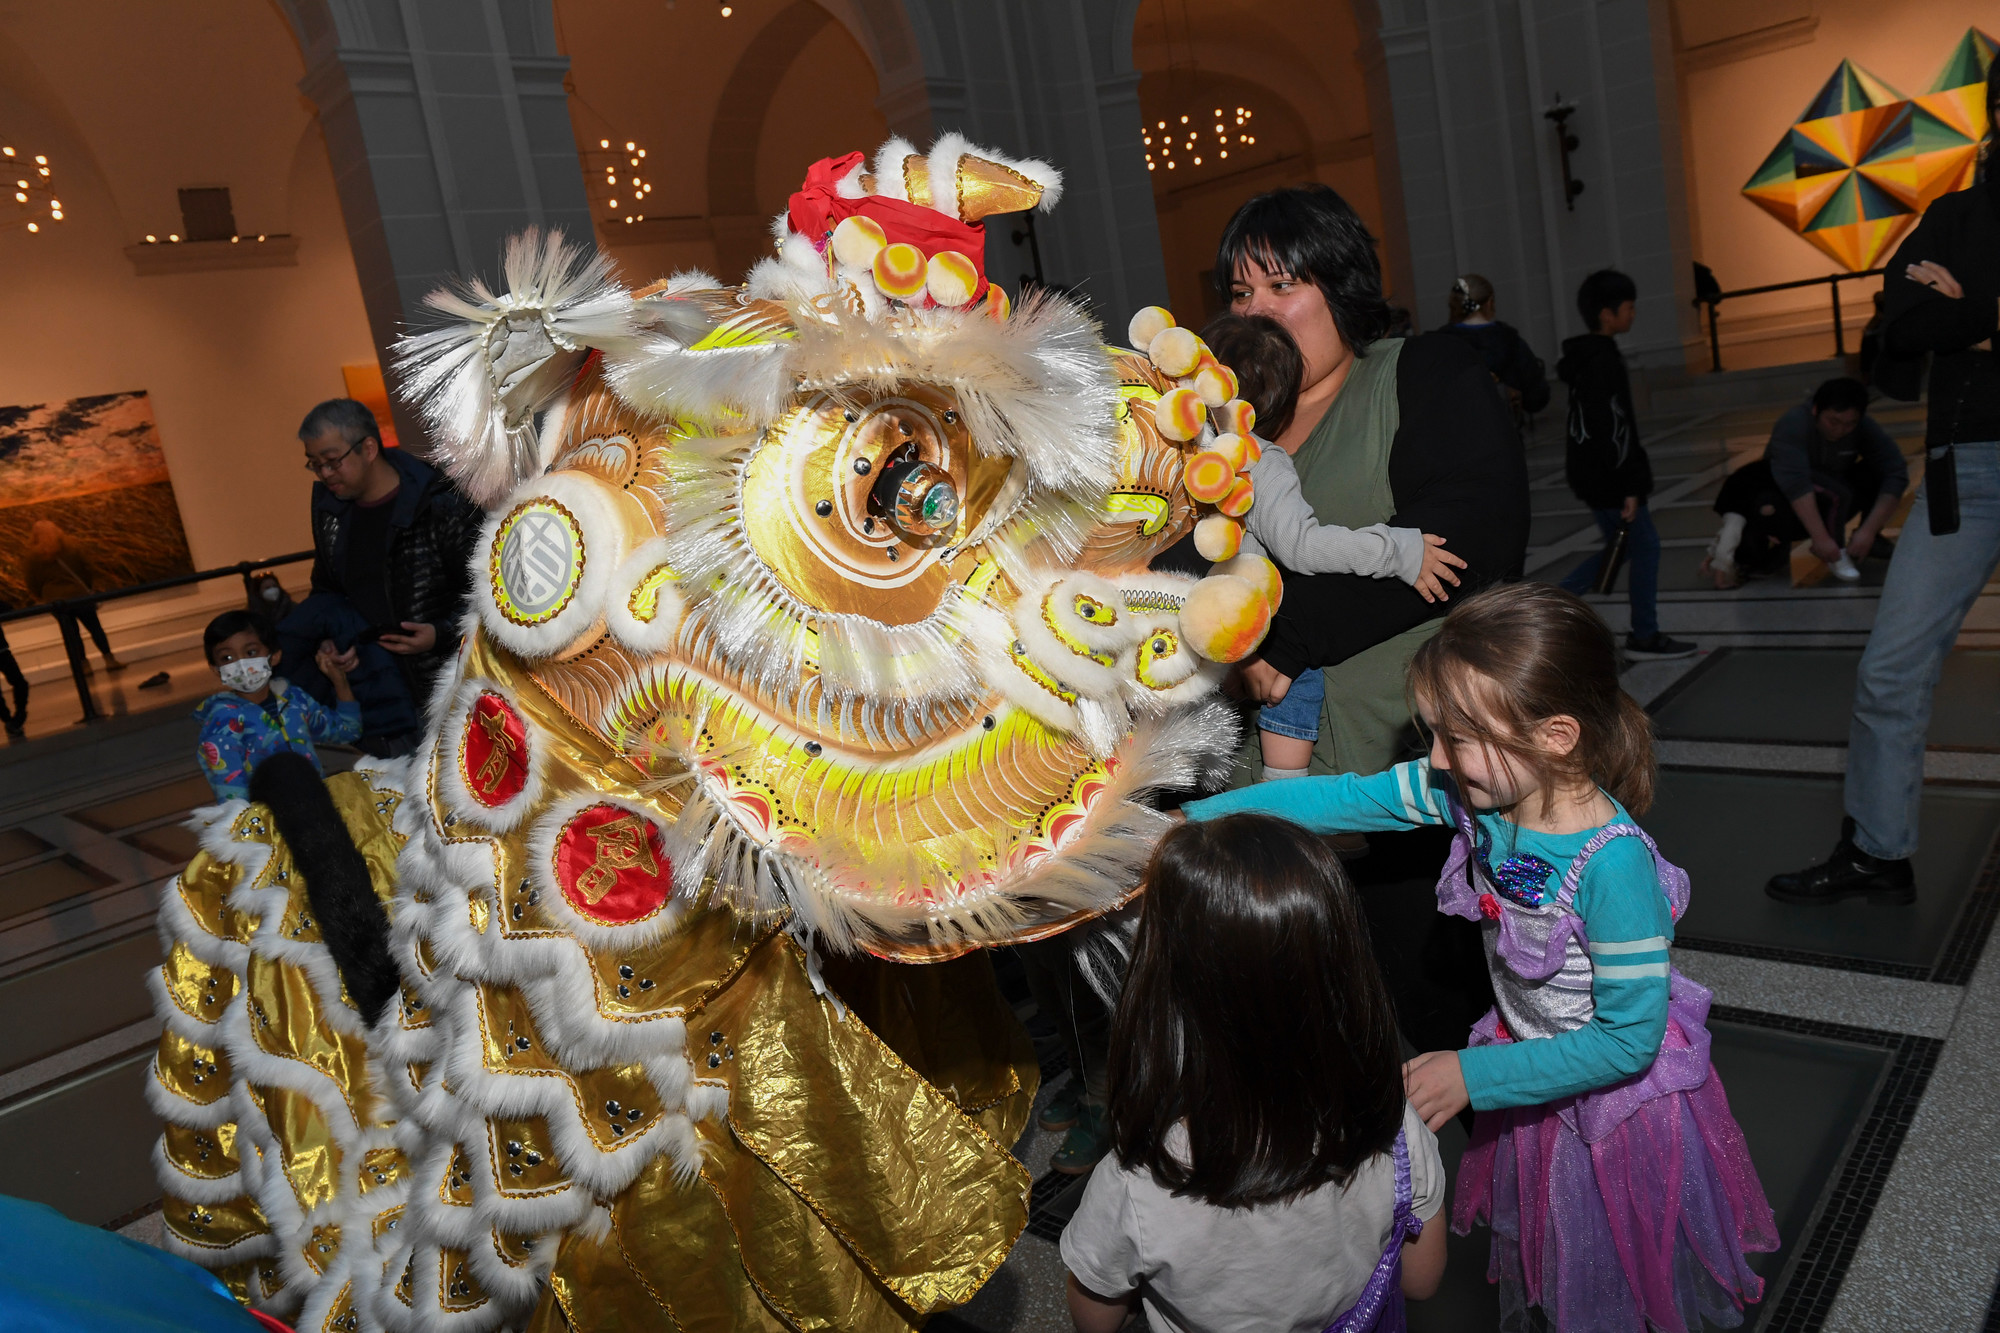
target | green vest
[{"x": 1344, "y": 475}]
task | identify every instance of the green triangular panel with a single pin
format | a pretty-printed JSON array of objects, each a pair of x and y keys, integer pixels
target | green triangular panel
[
  {"x": 1928, "y": 134},
  {"x": 1810, "y": 158},
  {"x": 1970, "y": 60},
  {"x": 1779, "y": 166},
  {"x": 1841, "y": 207},
  {"x": 1874, "y": 202}
]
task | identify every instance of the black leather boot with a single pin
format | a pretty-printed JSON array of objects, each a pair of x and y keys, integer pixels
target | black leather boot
[{"x": 1847, "y": 872}]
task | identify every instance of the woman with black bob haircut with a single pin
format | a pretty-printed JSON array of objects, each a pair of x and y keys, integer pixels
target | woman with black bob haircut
[
  {"x": 1407, "y": 432},
  {"x": 1311, "y": 233},
  {"x": 1265, "y": 1170}
]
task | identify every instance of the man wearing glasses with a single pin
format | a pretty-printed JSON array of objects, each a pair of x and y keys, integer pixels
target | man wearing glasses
[{"x": 392, "y": 540}]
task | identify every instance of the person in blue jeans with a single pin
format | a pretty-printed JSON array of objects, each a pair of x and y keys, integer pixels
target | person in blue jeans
[
  {"x": 1606, "y": 465},
  {"x": 1942, "y": 297}
]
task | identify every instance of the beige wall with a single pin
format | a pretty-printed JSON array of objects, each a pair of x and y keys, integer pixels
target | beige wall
[
  {"x": 1747, "y": 68},
  {"x": 132, "y": 102}
]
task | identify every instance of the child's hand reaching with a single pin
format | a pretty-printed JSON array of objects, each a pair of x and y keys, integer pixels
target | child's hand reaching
[
  {"x": 329, "y": 663},
  {"x": 1435, "y": 1085},
  {"x": 1436, "y": 572}
]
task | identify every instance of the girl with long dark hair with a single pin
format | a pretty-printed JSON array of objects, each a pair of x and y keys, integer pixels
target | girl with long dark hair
[{"x": 1266, "y": 1172}]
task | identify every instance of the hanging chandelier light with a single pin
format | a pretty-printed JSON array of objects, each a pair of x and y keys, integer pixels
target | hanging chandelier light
[
  {"x": 616, "y": 185},
  {"x": 1195, "y": 141},
  {"x": 32, "y": 183}
]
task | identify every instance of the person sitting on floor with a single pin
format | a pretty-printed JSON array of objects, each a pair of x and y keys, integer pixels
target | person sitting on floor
[
  {"x": 1827, "y": 462},
  {"x": 260, "y": 715}
]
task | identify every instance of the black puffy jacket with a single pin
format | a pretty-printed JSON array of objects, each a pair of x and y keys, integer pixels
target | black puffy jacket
[{"x": 432, "y": 530}]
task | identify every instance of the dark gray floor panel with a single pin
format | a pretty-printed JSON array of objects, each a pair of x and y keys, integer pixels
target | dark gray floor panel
[
  {"x": 1806, "y": 695},
  {"x": 84, "y": 1148},
  {"x": 72, "y": 1001},
  {"x": 1733, "y": 831}
]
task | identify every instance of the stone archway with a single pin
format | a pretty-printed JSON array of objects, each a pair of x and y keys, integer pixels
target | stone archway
[{"x": 741, "y": 231}]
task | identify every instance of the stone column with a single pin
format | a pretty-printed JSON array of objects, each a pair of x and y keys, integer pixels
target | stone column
[
  {"x": 448, "y": 129},
  {"x": 1467, "y": 84}
]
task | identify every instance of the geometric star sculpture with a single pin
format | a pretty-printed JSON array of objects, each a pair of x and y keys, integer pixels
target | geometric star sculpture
[{"x": 1863, "y": 162}]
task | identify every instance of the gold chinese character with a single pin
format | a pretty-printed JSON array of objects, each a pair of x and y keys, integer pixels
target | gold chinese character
[
  {"x": 622, "y": 844},
  {"x": 487, "y": 779}
]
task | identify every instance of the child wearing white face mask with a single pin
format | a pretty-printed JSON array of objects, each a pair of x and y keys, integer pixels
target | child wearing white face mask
[{"x": 260, "y": 715}]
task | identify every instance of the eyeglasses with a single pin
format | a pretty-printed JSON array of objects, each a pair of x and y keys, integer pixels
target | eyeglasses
[{"x": 321, "y": 467}]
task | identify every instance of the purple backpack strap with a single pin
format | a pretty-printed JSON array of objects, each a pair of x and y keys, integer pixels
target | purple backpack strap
[
  {"x": 1673, "y": 880},
  {"x": 1380, "y": 1308}
]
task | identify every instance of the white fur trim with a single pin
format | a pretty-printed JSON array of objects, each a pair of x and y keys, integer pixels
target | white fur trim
[
  {"x": 593, "y": 933},
  {"x": 599, "y": 544},
  {"x": 655, "y": 635},
  {"x": 889, "y": 167},
  {"x": 451, "y": 761},
  {"x": 481, "y": 380}
]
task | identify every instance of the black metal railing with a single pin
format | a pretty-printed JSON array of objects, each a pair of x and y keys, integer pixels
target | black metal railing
[
  {"x": 1832, "y": 280},
  {"x": 79, "y": 669}
]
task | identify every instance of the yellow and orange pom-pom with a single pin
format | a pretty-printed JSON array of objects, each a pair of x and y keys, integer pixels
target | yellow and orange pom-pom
[
  {"x": 1149, "y": 324},
  {"x": 997, "y": 304},
  {"x": 900, "y": 270},
  {"x": 1208, "y": 476},
  {"x": 1218, "y": 537},
  {"x": 1175, "y": 351},
  {"x": 1178, "y": 414},
  {"x": 1252, "y": 569},
  {"x": 951, "y": 278},
  {"x": 1239, "y": 499},
  {"x": 1235, "y": 417},
  {"x": 1252, "y": 451},
  {"x": 857, "y": 240},
  {"x": 1235, "y": 448},
  {"x": 1225, "y": 618},
  {"x": 1216, "y": 384}
]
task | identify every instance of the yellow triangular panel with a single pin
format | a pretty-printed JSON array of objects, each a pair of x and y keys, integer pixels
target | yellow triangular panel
[
  {"x": 1838, "y": 135},
  {"x": 1897, "y": 178}
]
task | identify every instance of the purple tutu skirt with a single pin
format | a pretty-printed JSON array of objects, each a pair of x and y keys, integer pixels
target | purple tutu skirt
[{"x": 1630, "y": 1208}]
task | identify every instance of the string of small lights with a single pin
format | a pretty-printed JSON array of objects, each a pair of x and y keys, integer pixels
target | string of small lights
[
  {"x": 1164, "y": 140},
  {"x": 614, "y": 177},
  {"x": 34, "y": 187}
]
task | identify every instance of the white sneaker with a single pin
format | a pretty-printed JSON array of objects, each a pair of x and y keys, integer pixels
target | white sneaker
[{"x": 1844, "y": 570}]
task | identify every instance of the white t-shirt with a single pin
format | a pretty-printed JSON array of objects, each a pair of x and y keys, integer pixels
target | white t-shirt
[{"x": 1290, "y": 1267}]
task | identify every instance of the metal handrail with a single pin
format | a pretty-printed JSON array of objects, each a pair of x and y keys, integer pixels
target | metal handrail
[
  {"x": 1832, "y": 280},
  {"x": 79, "y": 668}
]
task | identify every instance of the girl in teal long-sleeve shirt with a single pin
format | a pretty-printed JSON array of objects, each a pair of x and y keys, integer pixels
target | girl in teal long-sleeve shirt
[{"x": 1604, "y": 1157}]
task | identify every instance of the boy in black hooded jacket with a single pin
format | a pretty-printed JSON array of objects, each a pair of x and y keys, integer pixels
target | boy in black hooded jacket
[{"x": 1606, "y": 465}]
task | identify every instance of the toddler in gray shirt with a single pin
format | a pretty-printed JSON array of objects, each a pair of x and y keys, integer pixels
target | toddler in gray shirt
[{"x": 1282, "y": 526}]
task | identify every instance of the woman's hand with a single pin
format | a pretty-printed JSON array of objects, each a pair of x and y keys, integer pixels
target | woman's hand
[
  {"x": 1262, "y": 682},
  {"x": 1936, "y": 277},
  {"x": 417, "y": 637},
  {"x": 1438, "y": 564},
  {"x": 1435, "y": 1085}
]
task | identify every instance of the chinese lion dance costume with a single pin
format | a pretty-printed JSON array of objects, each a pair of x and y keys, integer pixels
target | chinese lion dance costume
[{"x": 814, "y": 648}]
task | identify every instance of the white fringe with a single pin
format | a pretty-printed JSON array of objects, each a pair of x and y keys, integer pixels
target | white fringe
[{"x": 480, "y": 381}]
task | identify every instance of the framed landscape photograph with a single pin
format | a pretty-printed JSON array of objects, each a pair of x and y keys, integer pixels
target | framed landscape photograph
[{"x": 92, "y": 466}]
